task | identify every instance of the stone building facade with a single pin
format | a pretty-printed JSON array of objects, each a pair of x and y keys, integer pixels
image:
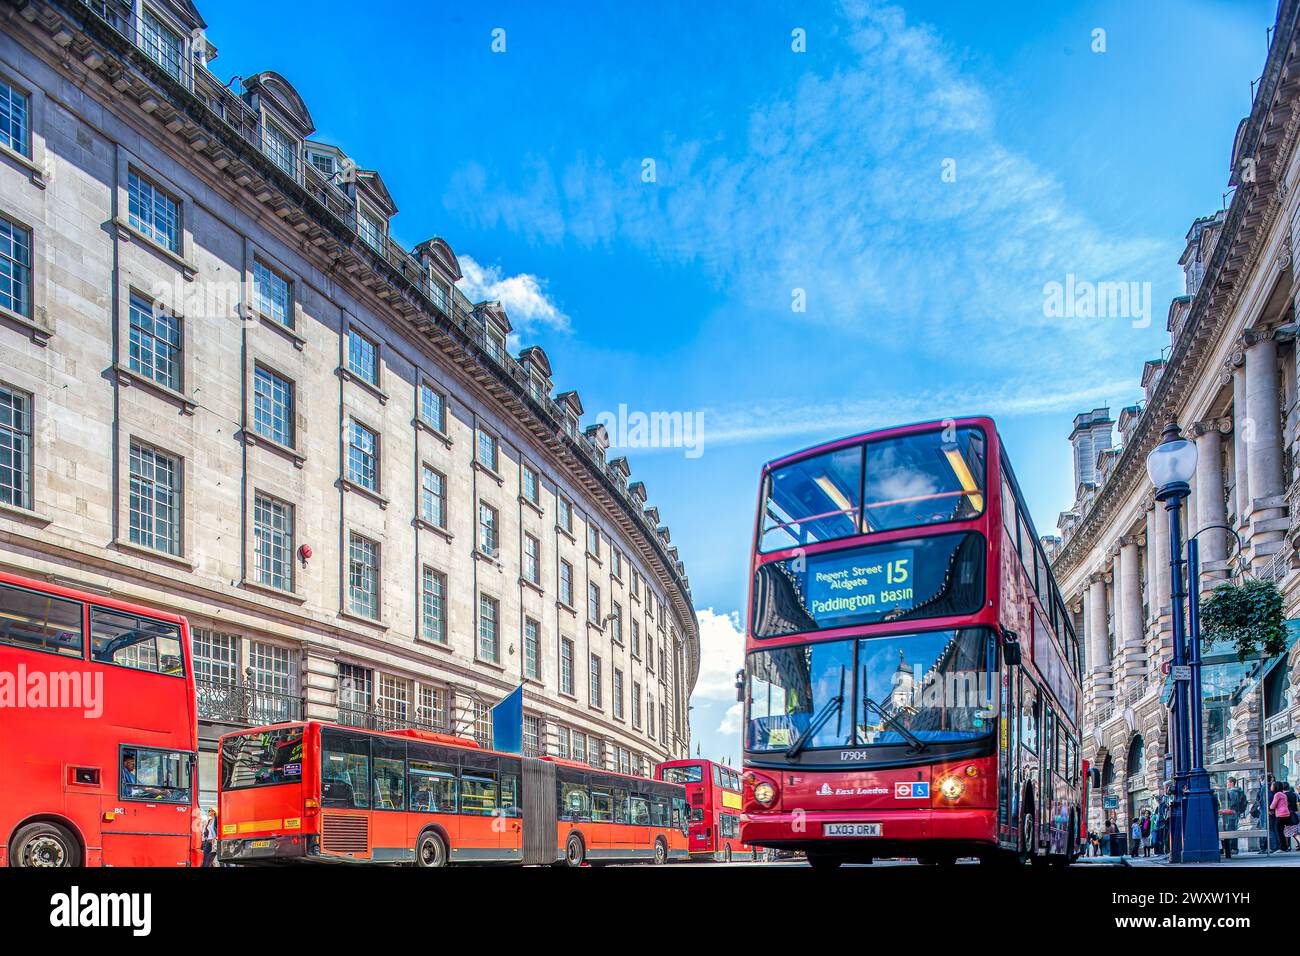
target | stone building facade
[
  {"x": 226, "y": 390},
  {"x": 1228, "y": 378}
]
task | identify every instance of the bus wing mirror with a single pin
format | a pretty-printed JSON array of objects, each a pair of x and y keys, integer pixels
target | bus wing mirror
[
  {"x": 1010, "y": 647},
  {"x": 740, "y": 686}
]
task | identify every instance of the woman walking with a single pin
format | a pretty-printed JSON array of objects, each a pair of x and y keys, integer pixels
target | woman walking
[
  {"x": 1279, "y": 813},
  {"x": 1292, "y": 829}
]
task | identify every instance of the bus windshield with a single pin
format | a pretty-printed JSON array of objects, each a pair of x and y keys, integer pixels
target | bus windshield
[
  {"x": 263, "y": 759},
  {"x": 935, "y": 687},
  {"x": 906, "y": 482}
]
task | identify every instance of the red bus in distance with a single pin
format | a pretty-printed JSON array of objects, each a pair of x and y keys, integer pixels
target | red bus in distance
[
  {"x": 98, "y": 731},
  {"x": 715, "y": 795},
  {"x": 912, "y": 679},
  {"x": 320, "y": 792}
]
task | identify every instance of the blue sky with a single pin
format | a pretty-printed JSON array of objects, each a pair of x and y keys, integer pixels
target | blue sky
[{"x": 775, "y": 170}]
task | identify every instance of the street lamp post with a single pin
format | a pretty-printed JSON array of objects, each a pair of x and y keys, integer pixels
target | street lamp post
[
  {"x": 1202, "y": 809},
  {"x": 1193, "y": 830}
]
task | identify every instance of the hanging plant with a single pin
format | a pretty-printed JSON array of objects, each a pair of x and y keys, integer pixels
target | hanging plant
[{"x": 1248, "y": 615}]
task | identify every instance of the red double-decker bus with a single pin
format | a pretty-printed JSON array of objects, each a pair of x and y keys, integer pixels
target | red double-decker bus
[
  {"x": 716, "y": 797},
  {"x": 98, "y": 731},
  {"x": 912, "y": 679},
  {"x": 320, "y": 792}
]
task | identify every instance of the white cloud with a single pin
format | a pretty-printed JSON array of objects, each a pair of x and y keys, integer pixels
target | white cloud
[
  {"x": 722, "y": 653},
  {"x": 837, "y": 189},
  {"x": 732, "y": 718},
  {"x": 523, "y": 295}
]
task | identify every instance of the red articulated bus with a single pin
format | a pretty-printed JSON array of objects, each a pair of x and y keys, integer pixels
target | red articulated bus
[
  {"x": 912, "y": 678},
  {"x": 320, "y": 792},
  {"x": 98, "y": 731},
  {"x": 715, "y": 795}
]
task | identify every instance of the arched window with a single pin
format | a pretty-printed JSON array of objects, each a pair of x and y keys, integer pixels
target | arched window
[
  {"x": 1137, "y": 757},
  {"x": 1108, "y": 772}
]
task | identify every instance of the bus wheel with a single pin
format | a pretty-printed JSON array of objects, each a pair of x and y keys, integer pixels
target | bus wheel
[
  {"x": 45, "y": 845},
  {"x": 1027, "y": 836},
  {"x": 574, "y": 853},
  {"x": 823, "y": 861},
  {"x": 726, "y": 853},
  {"x": 431, "y": 852},
  {"x": 661, "y": 852}
]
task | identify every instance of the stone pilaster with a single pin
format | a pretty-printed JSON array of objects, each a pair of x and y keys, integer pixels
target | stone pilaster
[{"x": 1263, "y": 441}]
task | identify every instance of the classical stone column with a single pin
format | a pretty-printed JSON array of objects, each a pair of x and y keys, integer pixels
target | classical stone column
[
  {"x": 1241, "y": 493},
  {"x": 1132, "y": 632},
  {"x": 1264, "y": 446},
  {"x": 1098, "y": 647},
  {"x": 1158, "y": 545},
  {"x": 1210, "y": 509}
]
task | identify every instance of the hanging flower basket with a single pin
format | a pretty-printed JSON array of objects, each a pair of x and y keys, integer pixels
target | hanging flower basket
[{"x": 1248, "y": 615}]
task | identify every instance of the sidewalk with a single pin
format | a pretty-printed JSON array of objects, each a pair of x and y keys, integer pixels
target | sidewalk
[{"x": 1291, "y": 858}]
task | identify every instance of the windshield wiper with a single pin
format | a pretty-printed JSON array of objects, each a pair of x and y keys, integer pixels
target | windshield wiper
[
  {"x": 832, "y": 706},
  {"x": 915, "y": 742}
]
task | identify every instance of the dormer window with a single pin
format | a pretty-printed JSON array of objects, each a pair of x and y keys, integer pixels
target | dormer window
[
  {"x": 371, "y": 228},
  {"x": 438, "y": 292},
  {"x": 323, "y": 162},
  {"x": 496, "y": 346},
  {"x": 161, "y": 43},
  {"x": 281, "y": 148}
]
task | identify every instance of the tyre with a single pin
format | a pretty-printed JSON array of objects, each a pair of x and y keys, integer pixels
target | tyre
[
  {"x": 661, "y": 852},
  {"x": 46, "y": 845},
  {"x": 1028, "y": 836},
  {"x": 575, "y": 853},
  {"x": 824, "y": 861},
  {"x": 431, "y": 851}
]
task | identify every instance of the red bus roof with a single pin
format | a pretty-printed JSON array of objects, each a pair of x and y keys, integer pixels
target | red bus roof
[{"x": 89, "y": 597}]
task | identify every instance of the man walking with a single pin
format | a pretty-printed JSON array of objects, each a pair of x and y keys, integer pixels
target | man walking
[{"x": 1234, "y": 807}]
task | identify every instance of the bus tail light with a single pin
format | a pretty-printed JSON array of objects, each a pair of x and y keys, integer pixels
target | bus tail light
[{"x": 311, "y": 805}]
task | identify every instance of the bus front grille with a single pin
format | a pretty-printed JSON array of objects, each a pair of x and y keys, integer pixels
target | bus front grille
[{"x": 345, "y": 834}]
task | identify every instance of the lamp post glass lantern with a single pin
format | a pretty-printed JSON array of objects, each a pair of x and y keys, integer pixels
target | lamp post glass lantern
[{"x": 1193, "y": 823}]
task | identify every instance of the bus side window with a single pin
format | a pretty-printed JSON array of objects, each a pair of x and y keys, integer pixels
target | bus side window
[{"x": 345, "y": 770}]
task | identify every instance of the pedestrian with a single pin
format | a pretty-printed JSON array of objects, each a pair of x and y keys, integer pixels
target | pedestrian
[
  {"x": 1162, "y": 822},
  {"x": 1292, "y": 830},
  {"x": 1279, "y": 812},
  {"x": 1135, "y": 837},
  {"x": 1146, "y": 832},
  {"x": 210, "y": 838},
  {"x": 1234, "y": 808}
]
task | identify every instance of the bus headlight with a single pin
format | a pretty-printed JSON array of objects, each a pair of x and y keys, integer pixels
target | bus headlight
[
  {"x": 951, "y": 788},
  {"x": 765, "y": 793}
]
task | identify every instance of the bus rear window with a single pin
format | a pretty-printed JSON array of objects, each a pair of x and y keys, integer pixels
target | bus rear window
[
  {"x": 692, "y": 773},
  {"x": 265, "y": 759}
]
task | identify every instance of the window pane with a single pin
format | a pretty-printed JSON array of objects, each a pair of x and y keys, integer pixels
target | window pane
[
  {"x": 363, "y": 357},
  {"x": 156, "y": 775},
  {"x": 153, "y": 212},
  {"x": 272, "y": 406},
  {"x": 271, "y": 294},
  {"x": 273, "y": 542},
  {"x": 813, "y": 500},
  {"x": 434, "y": 606},
  {"x": 15, "y": 447},
  {"x": 15, "y": 268},
  {"x": 924, "y": 479},
  {"x": 133, "y": 641},
  {"x": 39, "y": 622},
  {"x": 345, "y": 770},
  {"x": 155, "y": 347},
  {"x": 363, "y": 577},
  {"x": 13, "y": 119},
  {"x": 155, "y": 502}
]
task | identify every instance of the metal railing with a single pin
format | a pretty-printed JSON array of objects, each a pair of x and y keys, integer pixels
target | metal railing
[
  {"x": 240, "y": 702},
  {"x": 371, "y": 718}
]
